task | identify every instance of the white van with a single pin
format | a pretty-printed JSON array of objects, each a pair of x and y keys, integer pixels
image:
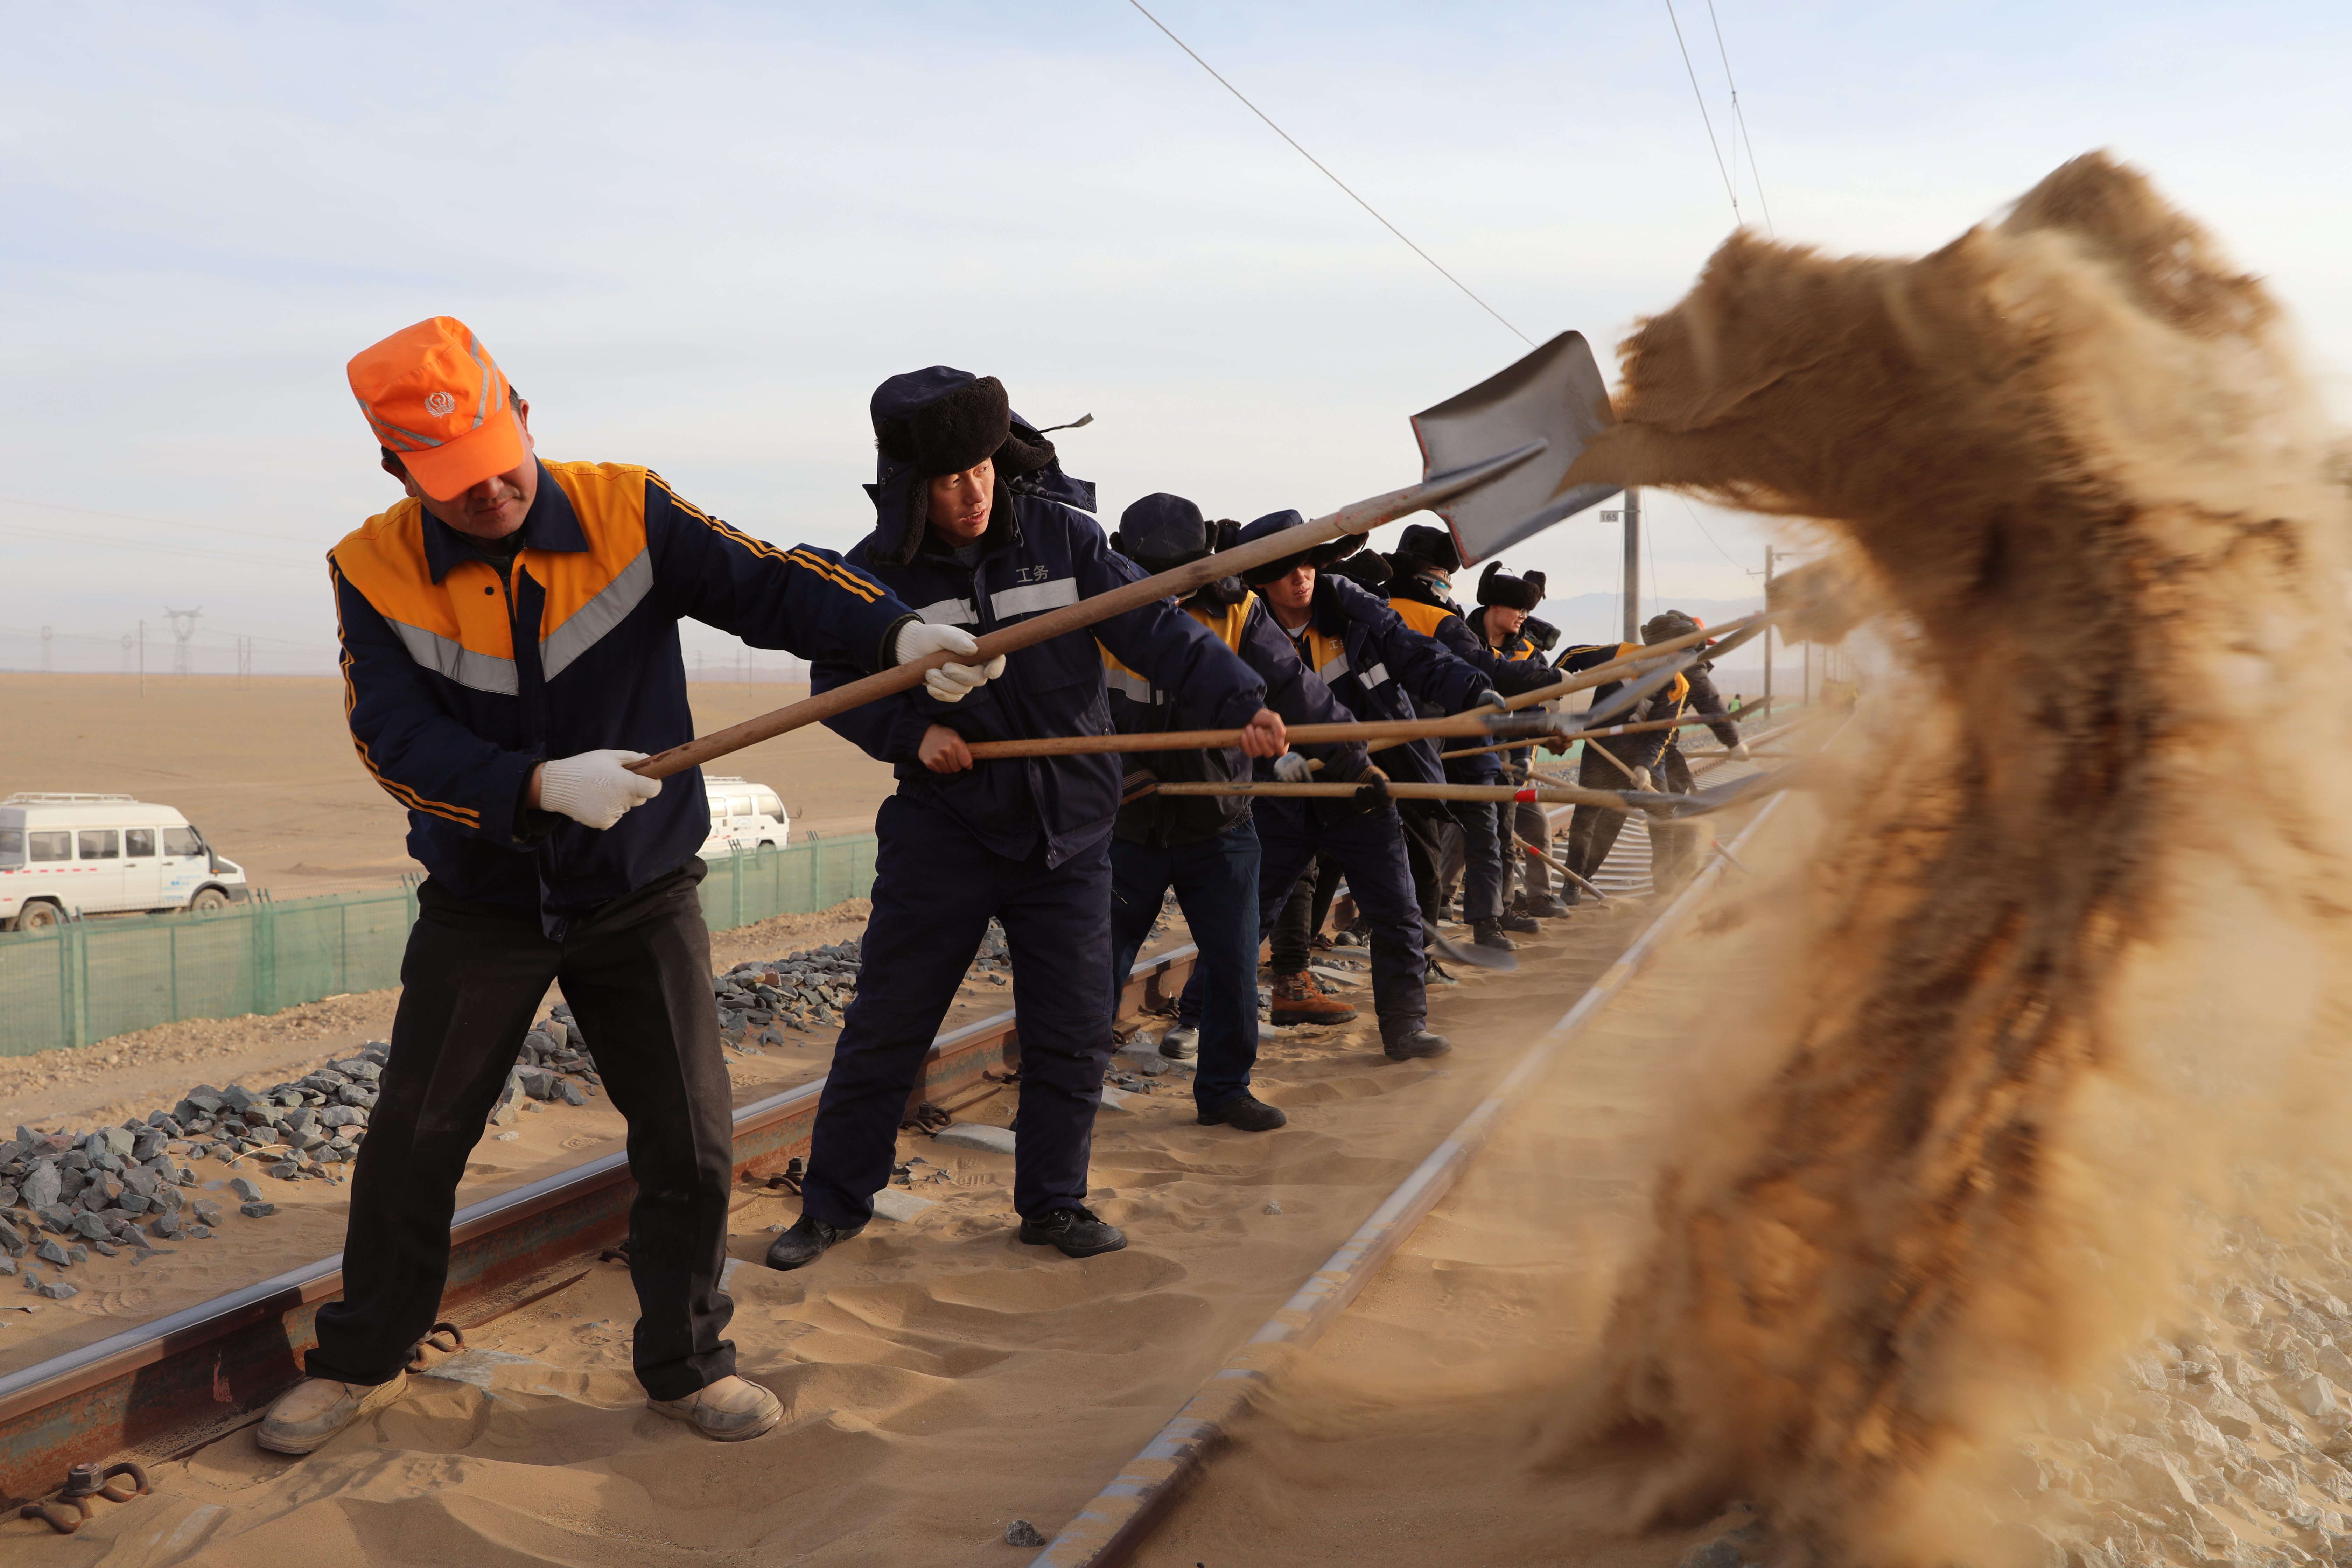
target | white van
[
  {"x": 98, "y": 853},
  {"x": 743, "y": 815}
]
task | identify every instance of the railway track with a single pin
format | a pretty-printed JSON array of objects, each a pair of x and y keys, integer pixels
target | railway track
[
  {"x": 170, "y": 1385},
  {"x": 173, "y": 1386},
  {"x": 1121, "y": 1518}
]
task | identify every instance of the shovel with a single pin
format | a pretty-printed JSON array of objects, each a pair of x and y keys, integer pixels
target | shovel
[
  {"x": 1538, "y": 416},
  {"x": 1474, "y": 957}
]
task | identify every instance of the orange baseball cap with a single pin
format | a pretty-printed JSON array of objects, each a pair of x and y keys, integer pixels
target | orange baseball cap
[{"x": 433, "y": 393}]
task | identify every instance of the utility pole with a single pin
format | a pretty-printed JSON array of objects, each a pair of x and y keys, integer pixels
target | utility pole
[
  {"x": 1632, "y": 564},
  {"x": 49, "y": 662},
  {"x": 1769, "y": 632},
  {"x": 142, "y": 658},
  {"x": 244, "y": 663}
]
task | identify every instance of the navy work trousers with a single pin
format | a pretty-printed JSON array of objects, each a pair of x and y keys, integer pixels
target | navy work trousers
[
  {"x": 1216, "y": 887},
  {"x": 935, "y": 888},
  {"x": 1482, "y": 858},
  {"x": 1370, "y": 847},
  {"x": 636, "y": 971}
]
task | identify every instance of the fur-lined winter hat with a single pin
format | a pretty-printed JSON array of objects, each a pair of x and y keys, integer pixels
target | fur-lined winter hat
[
  {"x": 1541, "y": 633},
  {"x": 1668, "y": 625},
  {"x": 1368, "y": 569},
  {"x": 1423, "y": 546},
  {"x": 1316, "y": 555},
  {"x": 1496, "y": 586},
  {"x": 1161, "y": 533},
  {"x": 940, "y": 421}
]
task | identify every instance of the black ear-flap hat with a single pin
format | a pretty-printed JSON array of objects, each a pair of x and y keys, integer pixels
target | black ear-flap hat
[
  {"x": 1316, "y": 555},
  {"x": 1161, "y": 532},
  {"x": 1367, "y": 569},
  {"x": 1429, "y": 546},
  {"x": 1541, "y": 632},
  {"x": 1666, "y": 625},
  {"x": 932, "y": 422},
  {"x": 1499, "y": 587}
]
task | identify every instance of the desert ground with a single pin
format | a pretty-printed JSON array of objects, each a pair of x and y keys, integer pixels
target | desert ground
[{"x": 267, "y": 770}]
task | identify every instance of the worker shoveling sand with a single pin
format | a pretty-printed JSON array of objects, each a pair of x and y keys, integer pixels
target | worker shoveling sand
[{"x": 2074, "y": 945}]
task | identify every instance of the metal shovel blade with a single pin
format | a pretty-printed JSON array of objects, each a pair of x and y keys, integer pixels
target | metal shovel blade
[
  {"x": 1456, "y": 953},
  {"x": 1556, "y": 395}
]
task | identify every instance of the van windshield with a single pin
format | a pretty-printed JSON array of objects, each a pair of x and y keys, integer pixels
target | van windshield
[{"x": 182, "y": 841}]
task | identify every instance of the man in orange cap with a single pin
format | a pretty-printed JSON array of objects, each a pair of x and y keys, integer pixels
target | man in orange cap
[{"x": 509, "y": 637}]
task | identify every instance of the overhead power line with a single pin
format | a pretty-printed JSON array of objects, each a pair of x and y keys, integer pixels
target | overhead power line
[
  {"x": 1704, "y": 117},
  {"x": 158, "y": 521},
  {"x": 1740, "y": 116},
  {"x": 1335, "y": 179},
  {"x": 152, "y": 547}
]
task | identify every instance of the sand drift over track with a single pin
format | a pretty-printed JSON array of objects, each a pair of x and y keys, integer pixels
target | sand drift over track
[{"x": 2078, "y": 938}]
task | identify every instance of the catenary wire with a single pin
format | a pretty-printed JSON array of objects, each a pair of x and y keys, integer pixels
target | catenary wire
[
  {"x": 1705, "y": 118},
  {"x": 1719, "y": 550},
  {"x": 1335, "y": 180},
  {"x": 1740, "y": 116},
  {"x": 158, "y": 521},
  {"x": 150, "y": 545}
]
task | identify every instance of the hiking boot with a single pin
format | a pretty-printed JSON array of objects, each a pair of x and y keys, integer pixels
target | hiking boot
[
  {"x": 1243, "y": 1110},
  {"x": 1416, "y": 1041},
  {"x": 1180, "y": 1043},
  {"x": 1074, "y": 1230},
  {"x": 805, "y": 1244},
  {"x": 1570, "y": 894},
  {"x": 1489, "y": 933},
  {"x": 1524, "y": 924},
  {"x": 1543, "y": 906},
  {"x": 315, "y": 1409},
  {"x": 1298, "y": 1000},
  {"x": 1435, "y": 972},
  {"x": 727, "y": 1411}
]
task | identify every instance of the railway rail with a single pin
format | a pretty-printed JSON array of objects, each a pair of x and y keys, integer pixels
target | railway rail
[{"x": 174, "y": 1384}]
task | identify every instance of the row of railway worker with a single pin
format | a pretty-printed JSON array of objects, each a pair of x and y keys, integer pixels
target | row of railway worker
[{"x": 509, "y": 637}]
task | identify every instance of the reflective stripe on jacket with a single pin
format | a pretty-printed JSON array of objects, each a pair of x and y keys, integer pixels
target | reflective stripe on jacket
[{"x": 461, "y": 675}]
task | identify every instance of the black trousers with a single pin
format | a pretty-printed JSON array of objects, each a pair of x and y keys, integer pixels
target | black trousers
[
  {"x": 1426, "y": 827},
  {"x": 1592, "y": 830},
  {"x": 1367, "y": 847},
  {"x": 638, "y": 973},
  {"x": 1310, "y": 904},
  {"x": 935, "y": 888}
]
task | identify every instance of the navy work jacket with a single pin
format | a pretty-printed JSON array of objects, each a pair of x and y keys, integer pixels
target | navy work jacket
[
  {"x": 1037, "y": 555},
  {"x": 1427, "y": 611},
  {"x": 462, "y": 674},
  {"x": 1137, "y": 706},
  {"x": 1379, "y": 668}
]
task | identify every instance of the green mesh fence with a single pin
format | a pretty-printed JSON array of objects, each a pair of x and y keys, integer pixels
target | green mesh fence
[{"x": 92, "y": 978}]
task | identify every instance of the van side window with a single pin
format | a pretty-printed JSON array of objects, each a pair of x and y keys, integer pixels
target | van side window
[
  {"x": 740, "y": 804},
  {"x": 12, "y": 845},
  {"x": 182, "y": 841},
  {"x": 51, "y": 845},
  {"x": 100, "y": 843},
  {"x": 139, "y": 841}
]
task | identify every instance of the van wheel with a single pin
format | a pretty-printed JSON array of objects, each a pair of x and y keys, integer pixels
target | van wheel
[
  {"x": 767, "y": 843},
  {"x": 208, "y": 901},
  {"x": 39, "y": 915}
]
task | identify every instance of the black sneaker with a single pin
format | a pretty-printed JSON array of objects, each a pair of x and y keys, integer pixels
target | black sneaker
[
  {"x": 1524, "y": 925},
  {"x": 807, "y": 1242},
  {"x": 1543, "y": 906},
  {"x": 1416, "y": 1042},
  {"x": 1243, "y": 1110},
  {"x": 1074, "y": 1230},
  {"x": 1489, "y": 933}
]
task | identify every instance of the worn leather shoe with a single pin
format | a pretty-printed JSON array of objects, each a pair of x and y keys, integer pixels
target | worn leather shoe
[
  {"x": 1524, "y": 924},
  {"x": 1243, "y": 1110},
  {"x": 1180, "y": 1043},
  {"x": 807, "y": 1242},
  {"x": 1416, "y": 1042},
  {"x": 1544, "y": 906},
  {"x": 727, "y": 1411},
  {"x": 1489, "y": 933},
  {"x": 1074, "y": 1230},
  {"x": 1297, "y": 999},
  {"x": 315, "y": 1409}
]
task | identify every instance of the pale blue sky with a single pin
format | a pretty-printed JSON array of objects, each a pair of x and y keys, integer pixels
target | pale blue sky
[{"x": 697, "y": 236}]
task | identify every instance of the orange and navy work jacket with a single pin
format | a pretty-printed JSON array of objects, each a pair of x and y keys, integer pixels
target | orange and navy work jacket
[
  {"x": 462, "y": 673},
  {"x": 1643, "y": 749}
]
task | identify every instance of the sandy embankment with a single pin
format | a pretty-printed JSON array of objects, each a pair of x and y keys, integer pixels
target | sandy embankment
[{"x": 941, "y": 1379}]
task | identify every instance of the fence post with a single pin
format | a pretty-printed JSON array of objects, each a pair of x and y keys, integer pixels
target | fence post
[
  {"x": 262, "y": 933},
  {"x": 172, "y": 932},
  {"x": 735, "y": 880}
]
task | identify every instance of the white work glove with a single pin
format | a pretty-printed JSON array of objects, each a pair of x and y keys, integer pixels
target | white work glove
[
  {"x": 1739, "y": 751},
  {"x": 949, "y": 682},
  {"x": 595, "y": 789},
  {"x": 1642, "y": 778},
  {"x": 1292, "y": 768}
]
